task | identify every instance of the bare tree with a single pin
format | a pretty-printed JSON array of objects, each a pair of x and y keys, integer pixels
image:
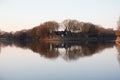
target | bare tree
[
  {"x": 72, "y": 25},
  {"x": 86, "y": 27},
  {"x": 0, "y": 31},
  {"x": 51, "y": 25},
  {"x": 118, "y": 23},
  {"x": 44, "y": 30}
]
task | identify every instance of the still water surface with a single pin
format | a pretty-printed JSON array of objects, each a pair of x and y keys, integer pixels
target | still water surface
[{"x": 78, "y": 62}]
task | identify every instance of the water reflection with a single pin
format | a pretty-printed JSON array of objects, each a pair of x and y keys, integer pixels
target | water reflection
[
  {"x": 70, "y": 50},
  {"x": 118, "y": 56}
]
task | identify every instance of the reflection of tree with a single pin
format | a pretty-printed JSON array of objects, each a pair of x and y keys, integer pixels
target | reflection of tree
[
  {"x": 73, "y": 50},
  {"x": 82, "y": 50},
  {"x": 118, "y": 49},
  {"x": 118, "y": 58},
  {"x": 44, "y": 50}
]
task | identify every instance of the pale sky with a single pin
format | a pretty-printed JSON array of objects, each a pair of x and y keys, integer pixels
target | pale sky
[{"x": 25, "y": 14}]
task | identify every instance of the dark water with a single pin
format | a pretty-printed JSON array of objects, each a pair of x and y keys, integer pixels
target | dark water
[{"x": 59, "y": 61}]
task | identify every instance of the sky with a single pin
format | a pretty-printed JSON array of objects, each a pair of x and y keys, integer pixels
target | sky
[{"x": 25, "y": 14}]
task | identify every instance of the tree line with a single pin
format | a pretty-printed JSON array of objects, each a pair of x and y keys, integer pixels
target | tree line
[{"x": 50, "y": 28}]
